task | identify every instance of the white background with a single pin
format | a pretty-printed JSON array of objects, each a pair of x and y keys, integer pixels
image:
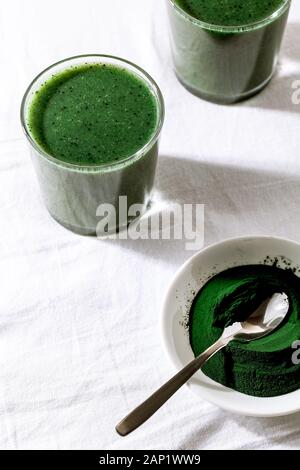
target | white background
[{"x": 79, "y": 337}]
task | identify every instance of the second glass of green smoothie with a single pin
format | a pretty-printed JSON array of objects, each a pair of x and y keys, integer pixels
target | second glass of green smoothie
[
  {"x": 226, "y": 50},
  {"x": 93, "y": 123}
]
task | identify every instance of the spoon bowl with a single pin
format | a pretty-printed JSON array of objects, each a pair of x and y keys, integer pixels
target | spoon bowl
[
  {"x": 261, "y": 322},
  {"x": 265, "y": 319},
  {"x": 187, "y": 282}
]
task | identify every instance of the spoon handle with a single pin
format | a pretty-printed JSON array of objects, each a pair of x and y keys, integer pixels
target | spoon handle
[{"x": 144, "y": 411}]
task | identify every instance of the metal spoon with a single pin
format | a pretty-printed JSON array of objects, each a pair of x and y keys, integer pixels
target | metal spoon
[{"x": 263, "y": 321}]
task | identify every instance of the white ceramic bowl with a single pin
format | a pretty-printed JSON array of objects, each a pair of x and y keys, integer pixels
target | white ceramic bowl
[{"x": 187, "y": 283}]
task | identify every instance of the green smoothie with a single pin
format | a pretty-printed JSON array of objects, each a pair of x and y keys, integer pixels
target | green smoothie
[
  {"x": 226, "y": 50},
  {"x": 93, "y": 124},
  {"x": 262, "y": 367},
  {"x": 230, "y": 12},
  {"x": 93, "y": 114}
]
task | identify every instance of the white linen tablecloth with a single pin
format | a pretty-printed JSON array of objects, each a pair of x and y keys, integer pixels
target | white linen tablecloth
[{"x": 79, "y": 337}]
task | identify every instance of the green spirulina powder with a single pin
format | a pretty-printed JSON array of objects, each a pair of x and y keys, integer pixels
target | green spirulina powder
[{"x": 263, "y": 367}]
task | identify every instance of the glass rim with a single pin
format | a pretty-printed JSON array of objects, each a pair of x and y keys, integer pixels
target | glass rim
[
  {"x": 109, "y": 165},
  {"x": 233, "y": 29}
]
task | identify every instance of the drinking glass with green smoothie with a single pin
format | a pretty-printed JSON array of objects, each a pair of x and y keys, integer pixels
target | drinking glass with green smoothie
[
  {"x": 226, "y": 50},
  {"x": 93, "y": 124}
]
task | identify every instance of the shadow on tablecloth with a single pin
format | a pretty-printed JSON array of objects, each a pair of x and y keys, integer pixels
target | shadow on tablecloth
[{"x": 238, "y": 201}]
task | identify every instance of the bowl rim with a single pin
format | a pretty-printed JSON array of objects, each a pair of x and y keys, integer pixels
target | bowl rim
[{"x": 199, "y": 389}]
